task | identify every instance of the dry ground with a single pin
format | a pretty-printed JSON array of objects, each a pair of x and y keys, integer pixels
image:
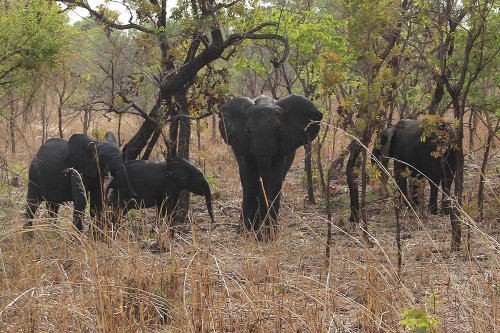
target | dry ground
[{"x": 205, "y": 280}]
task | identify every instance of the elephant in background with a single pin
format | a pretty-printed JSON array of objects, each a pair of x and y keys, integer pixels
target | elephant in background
[
  {"x": 410, "y": 151},
  {"x": 264, "y": 134},
  {"x": 158, "y": 184},
  {"x": 70, "y": 170}
]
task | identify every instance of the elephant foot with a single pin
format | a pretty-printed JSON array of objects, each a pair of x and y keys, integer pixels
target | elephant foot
[
  {"x": 433, "y": 210},
  {"x": 266, "y": 233},
  {"x": 28, "y": 230},
  {"x": 96, "y": 233},
  {"x": 241, "y": 229},
  {"x": 446, "y": 210},
  {"x": 28, "y": 224}
]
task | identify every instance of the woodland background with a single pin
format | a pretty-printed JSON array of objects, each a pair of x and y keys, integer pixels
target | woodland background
[{"x": 157, "y": 72}]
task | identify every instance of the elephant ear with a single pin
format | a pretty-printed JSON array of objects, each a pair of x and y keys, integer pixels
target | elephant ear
[
  {"x": 385, "y": 142},
  {"x": 110, "y": 137},
  {"x": 81, "y": 154},
  {"x": 301, "y": 123},
  {"x": 232, "y": 122}
]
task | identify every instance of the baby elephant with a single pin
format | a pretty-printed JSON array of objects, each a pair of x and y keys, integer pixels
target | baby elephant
[{"x": 158, "y": 184}]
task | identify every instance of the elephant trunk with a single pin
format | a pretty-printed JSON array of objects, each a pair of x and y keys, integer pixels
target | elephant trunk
[
  {"x": 208, "y": 200},
  {"x": 198, "y": 185},
  {"x": 375, "y": 156},
  {"x": 122, "y": 183}
]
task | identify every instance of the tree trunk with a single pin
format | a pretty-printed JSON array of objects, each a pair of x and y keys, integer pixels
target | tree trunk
[
  {"x": 362, "y": 208},
  {"x": 309, "y": 177},
  {"x": 183, "y": 151},
  {"x": 44, "y": 117},
  {"x": 456, "y": 229},
  {"x": 352, "y": 183},
  {"x": 12, "y": 122},
  {"x": 482, "y": 176},
  {"x": 472, "y": 131},
  {"x": 86, "y": 120},
  {"x": 214, "y": 127},
  {"x": 320, "y": 169},
  {"x": 151, "y": 145},
  {"x": 119, "y": 134},
  {"x": 438, "y": 95},
  {"x": 136, "y": 144},
  {"x": 59, "y": 120}
]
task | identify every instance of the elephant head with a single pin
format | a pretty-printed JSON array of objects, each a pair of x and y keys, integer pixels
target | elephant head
[
  {"x": 264, "y": 134},
  {"x": 187, "y": 176},
  {"x": 94, "y": 159},
  {"x": 381, "y": 151}
]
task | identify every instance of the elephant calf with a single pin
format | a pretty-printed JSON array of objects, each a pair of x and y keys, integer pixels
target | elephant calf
[
  {"x": 158, "y": 184},
  {"x": 70, "y": 170},
  {"x": 433, "y": 157}
]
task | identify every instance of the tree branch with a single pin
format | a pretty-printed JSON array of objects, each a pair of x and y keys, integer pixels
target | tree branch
[{"x": 100, "y": 16}]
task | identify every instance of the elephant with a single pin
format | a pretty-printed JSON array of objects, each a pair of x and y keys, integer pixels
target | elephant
[
  {"x": 158, "y": 184},
  {"x": 264, "y": 134},
  {"x": 432, "y": 156},
  {"x": 69, "y": 170}
]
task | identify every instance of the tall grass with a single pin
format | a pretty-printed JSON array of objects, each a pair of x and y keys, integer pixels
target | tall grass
[{"x": 58, "y": 280}]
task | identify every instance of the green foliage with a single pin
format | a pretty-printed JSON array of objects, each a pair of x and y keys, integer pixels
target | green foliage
[
  {"x": 315, "y": 52},
  {"x": 374, "y": 171},
  {"x": 496, "y": 288},
  {"x": 433, "y": 126},
  {"x": 98, "y": 134},
  {"x": 34, "y": 35},
  {"x": 213, "y": 181},
  {"x": 418, "y": 320}
]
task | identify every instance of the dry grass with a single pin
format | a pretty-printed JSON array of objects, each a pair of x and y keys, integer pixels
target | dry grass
[{"x": 58, "y": 280}]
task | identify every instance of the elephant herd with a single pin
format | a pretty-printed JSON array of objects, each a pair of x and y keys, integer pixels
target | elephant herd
[{"x": 264, "y": 135}]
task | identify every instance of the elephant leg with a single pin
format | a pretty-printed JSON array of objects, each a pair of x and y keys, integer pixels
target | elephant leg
[
  {"x": 415, "y": 191},
  {"x": 433, "y": 209},
  {"x": 96, "y": 205},
  {"x": 278, "y": 173},
  {"x": 119, "y": 206},
  {"x": 250, "y": 210},
  {"x": 166, "y": 212},
  {"x": 250, "y": 184},
  {"x": 118, "y": 212},
  {"x": 79, "y": 199},
  {"x": 31, "y": 208},
  {"x": 32, "y": 203},
  {"x": 53, "y": 209}
]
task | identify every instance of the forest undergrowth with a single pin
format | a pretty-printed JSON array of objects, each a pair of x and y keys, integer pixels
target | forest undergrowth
[{"x": 205, "y": 279}]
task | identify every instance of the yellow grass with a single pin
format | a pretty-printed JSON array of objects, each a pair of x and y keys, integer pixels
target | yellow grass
[{"x": 57, "y": 280}]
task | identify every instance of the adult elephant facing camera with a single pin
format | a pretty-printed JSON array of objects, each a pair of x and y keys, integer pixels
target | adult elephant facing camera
[
  {"x": 433, "y": 157},
  {"x": 68, "y": 170},
  {"x": 264, "y": 134}
]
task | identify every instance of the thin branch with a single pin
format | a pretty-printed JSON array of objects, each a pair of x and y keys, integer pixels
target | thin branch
[
  {"x": 251, "y": 34},
  {"x": 100, "y": 16}
]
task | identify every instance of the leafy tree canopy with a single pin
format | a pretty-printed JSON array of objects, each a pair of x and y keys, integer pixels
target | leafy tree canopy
[{"x": 34, "y": 34}]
